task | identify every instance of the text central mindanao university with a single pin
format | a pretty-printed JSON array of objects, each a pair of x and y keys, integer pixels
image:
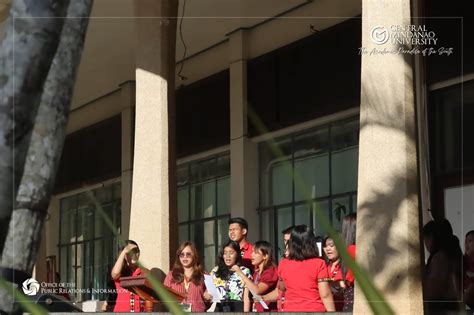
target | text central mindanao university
[{"x": 370, "y": 105}]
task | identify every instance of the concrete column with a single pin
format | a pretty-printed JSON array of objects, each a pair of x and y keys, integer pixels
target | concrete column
[
  {"x": 243, "y": 152},
  {"x": 388, "y": 224},
  {"x": 153, "y": 218},
  {"x": 127, "y": 95}
]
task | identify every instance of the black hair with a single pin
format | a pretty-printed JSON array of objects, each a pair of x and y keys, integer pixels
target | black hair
[
  {"x": 471, "y": 232},
  {"x": 441, "y": 233},
  {"x": 287, "y": 230},
  {"x": 325, "y": 239},
  {"x": 223, "y": 271},
  {"x": 267, "y": 249},
  {"x": 240, "y": 221},
  {"x": 302, "y": 244},
  {"x": 128, "y": 242}
]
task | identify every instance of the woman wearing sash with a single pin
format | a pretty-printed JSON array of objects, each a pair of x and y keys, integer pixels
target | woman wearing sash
[{"x": 187, "y": 276}]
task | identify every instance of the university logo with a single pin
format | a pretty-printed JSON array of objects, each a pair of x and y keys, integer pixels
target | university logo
[
  {"x": 30, "y": 286},
  {"x": 379, "y": 35}
]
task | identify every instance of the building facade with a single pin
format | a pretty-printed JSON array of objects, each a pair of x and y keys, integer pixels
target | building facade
[{"x": 386, "y": 138}]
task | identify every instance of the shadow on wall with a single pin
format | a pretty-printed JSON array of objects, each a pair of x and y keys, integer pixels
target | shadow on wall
[{"x": 399, "y": 189}]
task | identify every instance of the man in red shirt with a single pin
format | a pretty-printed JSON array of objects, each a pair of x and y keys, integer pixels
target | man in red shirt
[{"x": 238, "y": 228}]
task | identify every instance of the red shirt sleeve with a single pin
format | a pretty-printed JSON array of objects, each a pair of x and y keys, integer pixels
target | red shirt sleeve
[
  {"x": 280, "y": 267},
  {"x": 168, "y": 279},
  {"x": 269, "y": 276},
  {"x": 322, "y": 270}
]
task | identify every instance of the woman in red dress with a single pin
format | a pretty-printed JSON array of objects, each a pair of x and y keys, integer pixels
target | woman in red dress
[
  {"x": 187, "y": 276},
  {"x": 303, "y": 275},
  {"x": 265, "y": 277},
  {"x": 126, "y": 266}
]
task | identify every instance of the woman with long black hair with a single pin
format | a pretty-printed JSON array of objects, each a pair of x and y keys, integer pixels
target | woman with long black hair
[
  {"x": 336, "y": 273},
  {"x": 231, "y": 287}
]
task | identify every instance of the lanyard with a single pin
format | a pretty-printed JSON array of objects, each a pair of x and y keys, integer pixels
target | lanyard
[
  {"x": 186, "y": 287},
  {"x": 257, "y": 278}
]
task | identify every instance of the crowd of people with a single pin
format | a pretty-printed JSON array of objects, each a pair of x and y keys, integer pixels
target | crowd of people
[{"x": 248, "y": 277}]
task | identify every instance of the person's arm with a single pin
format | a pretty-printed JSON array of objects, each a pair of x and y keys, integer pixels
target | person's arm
[
  {"x": 271, "y": 296},
  {"x": 117, "y": 269},
  {"x": 246, "y": 300},
  {"x": 257, "y": 288},
  {"x": 167, "y": 281},
  {"x": 326, "y": 296},
  {"x": 282, "y": 285}
]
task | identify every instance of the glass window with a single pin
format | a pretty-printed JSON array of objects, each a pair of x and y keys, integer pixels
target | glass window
[
  {"x": 87, "y": 247},
  {"x": 281, "y": 183},
  {"x": 314, "y": 177},
  {"x": 284, "y": 219},
  {"x": 271, "y": 166},
  {"x": 266, "y": 221},
  {"x": 306, "y": 172},
  {"x": 204, "y": 204}
]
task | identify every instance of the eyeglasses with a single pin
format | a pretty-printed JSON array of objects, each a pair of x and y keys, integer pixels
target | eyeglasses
[{"x": 187, "y": 255}]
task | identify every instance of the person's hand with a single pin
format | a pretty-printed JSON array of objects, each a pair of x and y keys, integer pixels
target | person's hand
[
  {"x": 256, "y": 298},
  {"x": 207, "y": 296},
  {"x": 127, "y": 249}
]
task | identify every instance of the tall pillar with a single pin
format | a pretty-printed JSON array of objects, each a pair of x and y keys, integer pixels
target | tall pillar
[
  {"x": 388, "y": 225},
  {"x": 153, "y": 218},
  {"x": 243, "y": 152},
  {"x": 127, "y": 95}
]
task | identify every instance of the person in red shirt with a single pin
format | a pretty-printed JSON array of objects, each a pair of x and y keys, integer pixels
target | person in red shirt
[
  {"x": 238, "y": 229},
  {"x": 303, "y": 275},
  {"x": 126, "y": 266},
  {"x": 335, "y": 272},
  {"x": 187, "y": 276},
  {"x": 278, "y": 295},
  {"x": 265, "y": 277}
]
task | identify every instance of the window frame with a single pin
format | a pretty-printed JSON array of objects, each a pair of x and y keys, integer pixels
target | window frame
[
  {"x": 115, "y": 201},
  {"x": 216, "y": 217},
  {"x": 267, "y": 208}
]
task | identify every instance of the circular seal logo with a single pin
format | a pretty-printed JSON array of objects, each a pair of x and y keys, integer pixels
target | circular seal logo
[
  {"x": 30, "y": 286},
  {"x": 379, "y": 35}
]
